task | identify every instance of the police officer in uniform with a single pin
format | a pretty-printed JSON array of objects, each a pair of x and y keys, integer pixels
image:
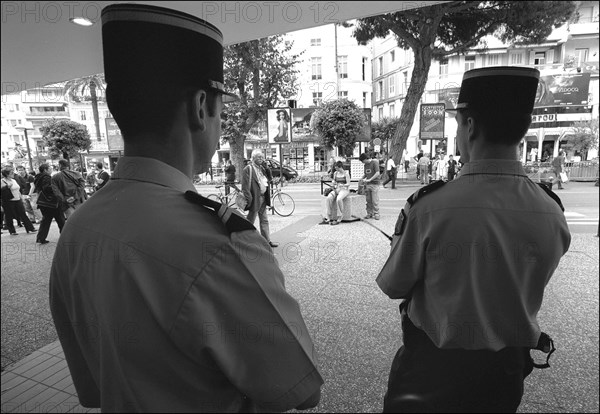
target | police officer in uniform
[
  {"x": 471, "y": 258},
  {"x": 163, "y": 300}
]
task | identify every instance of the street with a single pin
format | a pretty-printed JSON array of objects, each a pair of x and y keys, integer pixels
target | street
[{"x": 580, "y": 200}]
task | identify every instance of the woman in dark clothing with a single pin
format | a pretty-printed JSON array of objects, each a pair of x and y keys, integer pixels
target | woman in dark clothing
[
  {"x": 48, "y": 204},
  {"x": 12, "y": 203}
]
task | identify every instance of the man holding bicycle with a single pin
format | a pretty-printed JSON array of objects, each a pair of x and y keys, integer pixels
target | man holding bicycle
[{"x": 255, "y": 185}]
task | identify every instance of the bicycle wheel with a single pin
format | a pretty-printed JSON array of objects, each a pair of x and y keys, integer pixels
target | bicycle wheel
[
  {"x": 214, "y": 197},
  {"x": 283, "y": 204}
]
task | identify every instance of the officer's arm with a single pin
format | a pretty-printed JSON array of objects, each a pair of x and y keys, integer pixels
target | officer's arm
[
  {"x": 313, "y": 401},
  {"x": 403, "y": 268}
]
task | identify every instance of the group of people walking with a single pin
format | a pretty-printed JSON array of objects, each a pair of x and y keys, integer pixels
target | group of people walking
[{"x": 55, "y": 195}]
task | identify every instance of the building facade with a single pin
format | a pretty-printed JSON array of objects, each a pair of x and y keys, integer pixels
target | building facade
[{"x": 567, "y": 60}]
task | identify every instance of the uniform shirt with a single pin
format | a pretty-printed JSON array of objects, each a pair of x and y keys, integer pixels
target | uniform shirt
[
  {"x": 159, "y": 308},
  {"x": 371, "y": 168},
  {"x": 475, "y": 256}
]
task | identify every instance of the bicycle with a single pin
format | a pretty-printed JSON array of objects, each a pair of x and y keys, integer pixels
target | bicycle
[
  {"x": 229, "y": 199},
  {"x": 281, "y": 203}
]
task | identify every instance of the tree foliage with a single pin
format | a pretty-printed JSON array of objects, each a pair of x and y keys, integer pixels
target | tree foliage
[
  {"x": 65, "y": 138},
  {"x": 454, "y": 27},
  {"x": 339, "y": 124},
  {"x": 262, "y": 73},
  {"x": 385, "y": 129},
  {"x": 584, "y": 137},
  {"x": 86, "y": 89}
]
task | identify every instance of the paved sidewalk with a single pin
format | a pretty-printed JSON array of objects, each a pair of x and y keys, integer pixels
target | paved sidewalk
[{"x": 355, "y": 327}]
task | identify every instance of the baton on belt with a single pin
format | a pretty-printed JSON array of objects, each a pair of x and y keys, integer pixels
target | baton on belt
[{"x": 375, "y": 227}]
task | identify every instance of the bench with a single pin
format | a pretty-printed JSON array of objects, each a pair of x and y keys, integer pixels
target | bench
[{"x": 354, "y": 205}]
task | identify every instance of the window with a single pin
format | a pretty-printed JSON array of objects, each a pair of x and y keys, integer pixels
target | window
[
  {"x": 516, "y": 59},
  {"x": 381, "y": 66},
  {"x": 16, "y": 139},
  {"x": 364, "y": 99},
  {"x": 316, "y": 68},
  {"x": 493, "y": 60},
  {"x": 343, "y": 66},
  {"x": 581, "y": 55},
  {"x": 539, "y": 58},
  {"x": 82, "y": 116},
  {"x": 317, "y": 98},
  {"x": 13, "y": 122},
  {"x": 315, "y": 42},
  {"x": 364, "y": 68},
  {"x": 392, "y": 84},
  {"x": 380, "y": 90},
  {"x": 393, "y": 56},
  {"x": 585, "y": 15},
  {"x": 343, "y": 95},
  {"x": 469, "y": 63},
  {"x": 443, "y": 68},
  {"x": 392, "y": 110},
  {"x": 405, "y": 75},
  {"x": 381, "y": 112}
]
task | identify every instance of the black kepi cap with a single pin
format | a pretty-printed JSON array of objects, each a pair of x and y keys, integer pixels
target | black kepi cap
[
  {"x": 500, "y": 88},
  {"x": 160, "y": 47}
]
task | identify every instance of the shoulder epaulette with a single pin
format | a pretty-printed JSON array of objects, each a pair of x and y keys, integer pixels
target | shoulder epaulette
[
  {"x": 552, "y": 194},
  {"x": 424, "y": 191},
  {"x": 232, "y": 220}
]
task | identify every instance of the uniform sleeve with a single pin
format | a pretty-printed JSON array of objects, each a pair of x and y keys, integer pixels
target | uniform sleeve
[
  {"x": 85, "y": 385},
  {"x": 239, "y": 312},
  {"x": 405, "y": 264}
]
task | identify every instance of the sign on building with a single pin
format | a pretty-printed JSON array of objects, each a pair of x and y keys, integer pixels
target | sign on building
[
  {"x": 563, "y": 89},
  {"x": 432, "y": 121},
  {"x": 113, "y": 136}
]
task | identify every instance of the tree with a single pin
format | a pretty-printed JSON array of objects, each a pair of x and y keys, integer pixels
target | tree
[
  {"x": 385, "y": 130},
  {"x": 85, "y": 89},
  {"x": 452, "y": 28},
  {"x": 339, "y": 124},
  {"x": 262, "y": 74},
  {"x": 584, "y": 137},
  {"x": 65, "y": 138}
]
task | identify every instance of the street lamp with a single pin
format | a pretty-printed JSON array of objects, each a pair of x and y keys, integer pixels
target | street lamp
[{"x": 25, "y": 128}]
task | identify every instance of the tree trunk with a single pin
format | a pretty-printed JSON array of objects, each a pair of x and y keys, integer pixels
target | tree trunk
[
  {"x": 423, "y": 55},
  {"x": 95, "y": 110},
  {"x": 237, "y": 155}
]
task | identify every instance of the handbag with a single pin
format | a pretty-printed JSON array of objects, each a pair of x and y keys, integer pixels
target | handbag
[
  {"x": 563, "y": 177},
  {"x": 42, "y": 201}
]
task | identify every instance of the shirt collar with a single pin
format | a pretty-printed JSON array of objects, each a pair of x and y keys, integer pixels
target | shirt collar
[
  {"x": 152, "y": 171},
  {"x": 493, "y": 167}
]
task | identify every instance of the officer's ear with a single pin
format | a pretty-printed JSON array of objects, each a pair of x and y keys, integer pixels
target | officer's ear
[
  {"x": 198, "y": 112},
  {"x": 473, "y": 128}
]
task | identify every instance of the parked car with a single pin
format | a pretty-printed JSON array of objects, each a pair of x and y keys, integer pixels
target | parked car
[{"x": 275, "y": 167}]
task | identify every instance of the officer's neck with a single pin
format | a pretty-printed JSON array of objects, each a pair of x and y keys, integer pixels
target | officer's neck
[
  {"x": 171, "y": 150},
  {"x": 482, "y": 150}
]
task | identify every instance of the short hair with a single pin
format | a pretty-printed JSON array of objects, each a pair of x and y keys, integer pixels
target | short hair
[
  {"x": 140, "y": 108},
  {"x": 100, "y": 165},
  {"x": 339, "y": 164},
  {"x": 63, "y": 163},
  {"x": 20, "y": 167},
  {"x": 43, "y": 167},
  {"x": 363, "y": 157},
  {"x": 507, "y": 129},
  {"x": 6, "y": 171}
]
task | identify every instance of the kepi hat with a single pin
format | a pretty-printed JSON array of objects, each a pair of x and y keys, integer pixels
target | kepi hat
[
  {"x": 161, "y": 47},
  {"x": 500, "y": 88}
]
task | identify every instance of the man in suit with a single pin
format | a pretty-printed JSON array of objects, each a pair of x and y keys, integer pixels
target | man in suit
[{"x": 255, "y": 185}]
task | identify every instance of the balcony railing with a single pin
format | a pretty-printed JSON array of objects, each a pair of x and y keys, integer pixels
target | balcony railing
[{"x": 48, "y": 114}]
